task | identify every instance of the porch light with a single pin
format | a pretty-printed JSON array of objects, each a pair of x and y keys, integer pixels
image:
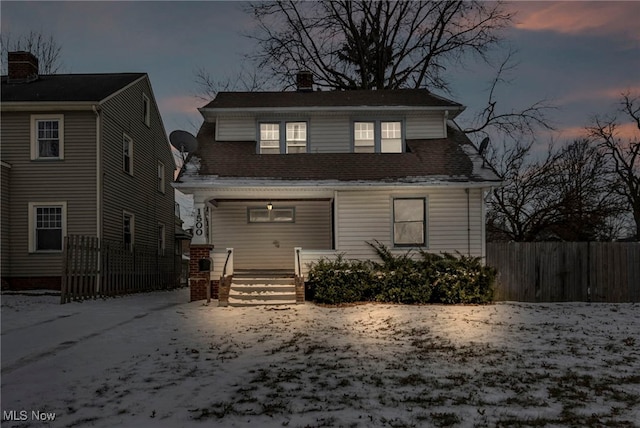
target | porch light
[{"x": 269, "y": 206}]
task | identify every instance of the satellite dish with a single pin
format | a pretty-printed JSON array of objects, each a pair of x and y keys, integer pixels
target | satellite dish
[
  {"x": 183, "y": 141},
  {"x": 483, "y": 145}
]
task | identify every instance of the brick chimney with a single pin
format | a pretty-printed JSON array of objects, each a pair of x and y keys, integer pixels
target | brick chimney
[
  {"x": 22, "y": 67},
  {"x": 304, "y": 80}
]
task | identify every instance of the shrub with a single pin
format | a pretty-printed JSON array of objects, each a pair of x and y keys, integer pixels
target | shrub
[{"x": 431, "y": 278}]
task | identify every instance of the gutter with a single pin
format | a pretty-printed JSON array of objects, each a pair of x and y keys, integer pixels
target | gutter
[
  {"x": 99, "y": 179},
  {"x": 29, "y": 106}
]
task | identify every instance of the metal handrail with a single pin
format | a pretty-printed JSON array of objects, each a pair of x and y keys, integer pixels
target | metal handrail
[
  {"x": 298, "y": 257},
  {"x": 224, "y": 270}
]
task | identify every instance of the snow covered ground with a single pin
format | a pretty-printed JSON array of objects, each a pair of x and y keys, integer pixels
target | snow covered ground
[{"x": 151, "y": 360}]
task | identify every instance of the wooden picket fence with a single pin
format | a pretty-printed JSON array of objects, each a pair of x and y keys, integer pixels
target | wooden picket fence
[
  {"x": 94, "y": 268},
  {"x": 566, "y": 271}
]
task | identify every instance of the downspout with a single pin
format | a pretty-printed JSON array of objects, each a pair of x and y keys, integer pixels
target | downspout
[
  {"x": 446, "y": 118},
  {"x": 468, "y": 223},
  {"x": 99, "y": 179}
]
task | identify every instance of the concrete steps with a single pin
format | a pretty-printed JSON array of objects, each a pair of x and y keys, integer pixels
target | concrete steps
[{"x": 261, "y": 289}]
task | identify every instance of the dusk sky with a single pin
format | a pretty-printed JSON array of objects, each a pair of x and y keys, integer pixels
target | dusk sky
[{"x": 579, "y": 55}]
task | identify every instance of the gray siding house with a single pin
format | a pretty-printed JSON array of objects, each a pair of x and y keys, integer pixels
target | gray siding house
[
  {"x": 82, "y": 154},
  {"x": 282, "y": 179}
]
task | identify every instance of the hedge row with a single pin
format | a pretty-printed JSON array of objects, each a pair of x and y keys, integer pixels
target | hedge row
[{"x": 429, "y": 278}]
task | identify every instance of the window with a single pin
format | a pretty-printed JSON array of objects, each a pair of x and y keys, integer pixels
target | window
[
  {"x": 161, "y": 241},
  {"x": 279, "y": 137},
  {"x": 127, "y": 154},
  {"x": 363, "y": 139},
  {"x": 146, "y": 110},
  {"x": 128, "y": 224},
  {"x": 390, "y": 137},
  {"x": 47, "y": 226},
  {"x": 296, "y": 137},
  {"x": 274, "y": 215},
  {"x": 409, "y": 222},
  {"x": 160, "y": 177},
  {"x": 47, "y": 137},
  {"x": 269, "y": 138},
  {"x": 377, "y": 137}
]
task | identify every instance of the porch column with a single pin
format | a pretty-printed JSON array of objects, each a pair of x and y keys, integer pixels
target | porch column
[{"x": 200, "y": 249}]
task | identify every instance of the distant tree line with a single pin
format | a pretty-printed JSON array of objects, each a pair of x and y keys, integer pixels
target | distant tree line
[{"x": 588, "y": 190}]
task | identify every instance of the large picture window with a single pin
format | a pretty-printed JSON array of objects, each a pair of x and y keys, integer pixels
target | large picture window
[
  {"x": 409, "y": 222},
  {"x": 47, "y": 140}
]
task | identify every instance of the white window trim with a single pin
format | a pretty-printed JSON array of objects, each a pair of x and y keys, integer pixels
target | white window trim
[
  {"x": 35, "y": 118},
  {"x": 133, "y": 227},
  {"x": 146, "y": 115},
  {"x": 161, "y": 177},
  {"x": 126, "y": 136},
  {"x": 32, "y": 224}
]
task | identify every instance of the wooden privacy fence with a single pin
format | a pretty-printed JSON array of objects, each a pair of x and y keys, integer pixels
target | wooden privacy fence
[
  {"x": 566, "y": 271},
  {"x": 94, "y": 268}
]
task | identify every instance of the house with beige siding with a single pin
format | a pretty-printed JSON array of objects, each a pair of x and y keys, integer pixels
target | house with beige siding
[
  {"x": 81, "y": 154},
  {"x": 282, "y": 179}
]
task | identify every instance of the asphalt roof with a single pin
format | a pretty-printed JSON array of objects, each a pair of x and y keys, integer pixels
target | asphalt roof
[
  {"x": 443, "y": 157},
  {"x": 67, "y": 87},
  {"x": 355, "y": 98}
]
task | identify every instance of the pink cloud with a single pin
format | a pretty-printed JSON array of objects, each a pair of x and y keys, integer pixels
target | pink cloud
[
  {"x": 624, "y": 131},
  {"x": 579, "y": 17},
  {"x": 613, "y": 94},
  {"x": 181, "y": 104}
]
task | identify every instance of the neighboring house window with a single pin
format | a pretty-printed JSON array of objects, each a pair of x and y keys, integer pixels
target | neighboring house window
[
  {"x": 377, "y": 137},
  {"x": 47, "y": 137},
  {"x": 274, "y": 215},
  {"x": 409, "y": 222},
  {"x": 283, "y": 137},
  {"x": 127, "y": 154},
  {"x": 363, "y": 137},
  {"x": 161, "y": 239},
  {"x": 146, "y": 110},
  {"x": 47, "y": 225},
  {"x": 160, "y": 177},
  {"x": 296, "y": 137},
  {"x": 128, "y": 224}
]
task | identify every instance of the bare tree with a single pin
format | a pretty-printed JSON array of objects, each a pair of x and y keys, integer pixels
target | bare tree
[
  {"x": 522, "y": 123},
  {"x": 623, "y": 154},
  {"x": 43, "y": 46},
  {"x": 565, "y": 194},
  {"x": 361, "y": 44}
]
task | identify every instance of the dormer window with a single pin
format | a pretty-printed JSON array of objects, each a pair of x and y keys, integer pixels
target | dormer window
[
  {"x": 296, "y": 137},
  {"x": 377, "y": 137},
  {"x": 283, "y": 137}
]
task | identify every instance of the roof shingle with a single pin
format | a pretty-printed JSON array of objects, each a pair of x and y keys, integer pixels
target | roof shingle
[{"x": 67, "y": 87}]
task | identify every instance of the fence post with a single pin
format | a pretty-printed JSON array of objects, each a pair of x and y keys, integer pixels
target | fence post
[{"x": 65, "y": 270}]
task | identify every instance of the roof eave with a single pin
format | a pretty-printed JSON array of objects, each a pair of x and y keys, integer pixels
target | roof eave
[
  {"x": 213, "y": 112},
  {"x": 22, "y": 106}
]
